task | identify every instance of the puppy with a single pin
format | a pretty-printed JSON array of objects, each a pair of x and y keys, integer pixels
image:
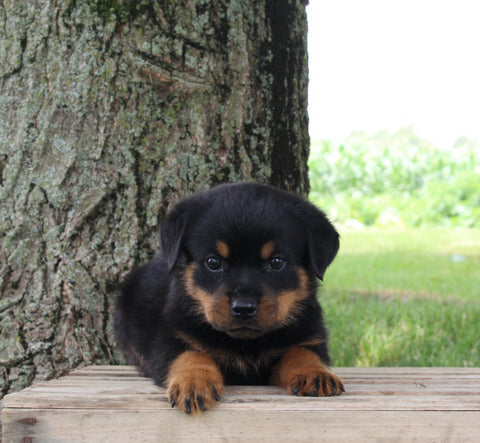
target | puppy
[{"x": 232, "y": 297}]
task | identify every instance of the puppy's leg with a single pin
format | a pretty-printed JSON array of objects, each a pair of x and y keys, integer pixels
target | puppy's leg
[
  {"x": 194, "y": 382},
  {"x": 302, "y": 372}
]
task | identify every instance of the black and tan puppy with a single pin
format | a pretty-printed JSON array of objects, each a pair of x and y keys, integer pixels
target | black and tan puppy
[{"x": 232, "y": 297}]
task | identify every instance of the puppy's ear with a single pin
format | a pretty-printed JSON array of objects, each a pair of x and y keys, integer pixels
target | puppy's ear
[
  {"x": 323, "y": 241},
  {"x": 172, "y": 235}
]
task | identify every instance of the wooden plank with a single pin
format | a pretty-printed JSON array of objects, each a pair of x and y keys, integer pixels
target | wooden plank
[
  {"x": 259, "y": 403},
  {"x": 221, "y": 425},
  {"x": 107, "y": 403}
]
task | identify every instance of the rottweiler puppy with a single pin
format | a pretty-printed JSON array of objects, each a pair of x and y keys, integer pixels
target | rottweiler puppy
[{"x": 231, "y": 298}]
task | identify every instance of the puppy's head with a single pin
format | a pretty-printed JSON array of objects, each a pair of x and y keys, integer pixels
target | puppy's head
[{"x": 248, "y": 255}]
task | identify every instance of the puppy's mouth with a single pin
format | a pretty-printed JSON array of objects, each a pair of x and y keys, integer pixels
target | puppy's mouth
[{"x": 244, "y": 332}]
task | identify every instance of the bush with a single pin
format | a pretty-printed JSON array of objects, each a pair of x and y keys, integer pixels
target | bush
[{"x": 397, "y": 179}]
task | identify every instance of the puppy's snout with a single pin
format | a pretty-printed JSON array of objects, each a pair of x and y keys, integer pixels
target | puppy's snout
[
  {"x": 243, "y": 306},
  {"x": 244, "y": 300},
  {"x": 244, "y": 309}
]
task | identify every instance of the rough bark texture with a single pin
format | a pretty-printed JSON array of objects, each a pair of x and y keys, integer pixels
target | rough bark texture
[{"x": 110, "y": 111}]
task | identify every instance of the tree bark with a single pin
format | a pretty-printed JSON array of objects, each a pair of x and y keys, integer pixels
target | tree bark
[{"x": 110, "y": 112}]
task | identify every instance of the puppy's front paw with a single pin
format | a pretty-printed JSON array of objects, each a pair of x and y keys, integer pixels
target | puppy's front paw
[
  {"x": 314, "y": 382},
  {"x": 302, "y": 372},
  {"x": 194, "y": 382}
]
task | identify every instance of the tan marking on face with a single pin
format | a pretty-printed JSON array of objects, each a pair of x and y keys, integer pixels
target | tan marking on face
[
  {"x": 278, "y": 309},
  {"x": 289, "y": 301},
  {"x": 214, "y": 307},
  {"x": 275, "y": 310},
  {"x": 267, "y": 250},
  {"x": 223, "y": 249},
  {"x": 203, "y": 298},
  {"x": 267, "y": 310}
]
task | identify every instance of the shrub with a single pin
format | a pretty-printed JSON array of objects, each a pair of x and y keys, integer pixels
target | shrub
[{"x": 397, "y": 178}]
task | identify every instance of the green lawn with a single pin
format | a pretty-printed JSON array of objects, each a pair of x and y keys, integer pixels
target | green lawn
[{"x": 407, "y": 297}]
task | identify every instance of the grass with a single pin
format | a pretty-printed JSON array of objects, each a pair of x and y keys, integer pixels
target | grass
[
  {"x": 406, "y": 294},
  {"x": 405, "y": 297}
]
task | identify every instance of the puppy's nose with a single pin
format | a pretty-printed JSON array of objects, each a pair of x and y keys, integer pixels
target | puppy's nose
[{"x": 243, "y": 309}]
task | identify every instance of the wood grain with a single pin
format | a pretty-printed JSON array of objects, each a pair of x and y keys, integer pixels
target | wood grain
[{"x": 113, "y": 403}]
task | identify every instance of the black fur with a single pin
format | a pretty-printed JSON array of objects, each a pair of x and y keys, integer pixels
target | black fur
[{"x": 154, "y": 312}]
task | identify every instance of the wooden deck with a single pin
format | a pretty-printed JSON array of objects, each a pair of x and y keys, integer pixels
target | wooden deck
[{"x": 112, "y": 403}]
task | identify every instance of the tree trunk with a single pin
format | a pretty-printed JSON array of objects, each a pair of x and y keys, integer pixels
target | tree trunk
[{"x": 111, "y": 111}]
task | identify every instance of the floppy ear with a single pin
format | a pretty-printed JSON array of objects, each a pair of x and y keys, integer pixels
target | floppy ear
[
  {"x": 323, "y": 241},
  {"x": 172, "y": 234}
]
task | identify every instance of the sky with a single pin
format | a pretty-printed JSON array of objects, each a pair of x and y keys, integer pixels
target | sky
[{"x": 387, "y": 64}]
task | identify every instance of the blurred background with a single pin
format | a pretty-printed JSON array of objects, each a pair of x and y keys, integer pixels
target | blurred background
[
  {"x": 384, "y": 65},
  {"x": 394, "y": 106}
]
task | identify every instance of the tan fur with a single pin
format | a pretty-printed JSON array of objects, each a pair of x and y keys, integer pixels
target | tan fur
[
  {"x": 214, "y": 307},
  {"x": 288, "y": 301},
  {"x": 275, "y": 309},
  {"x": 227, "y": 358},
  {"x": 301, "y": 372},
  {"x": 223, "y": 249},
  {"x": 267, "y": 250},
  {"x": 194, "y": 382}
]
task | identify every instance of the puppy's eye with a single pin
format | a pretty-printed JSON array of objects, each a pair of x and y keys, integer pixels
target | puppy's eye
[
  {"x": 213, "y": 263},
  {"x": 276, "y": 263}
]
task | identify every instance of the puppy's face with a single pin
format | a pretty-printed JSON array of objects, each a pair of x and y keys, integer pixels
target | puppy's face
[
  {"x": 246, "y": 286},
  {"x": 248, "y": 257}
]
